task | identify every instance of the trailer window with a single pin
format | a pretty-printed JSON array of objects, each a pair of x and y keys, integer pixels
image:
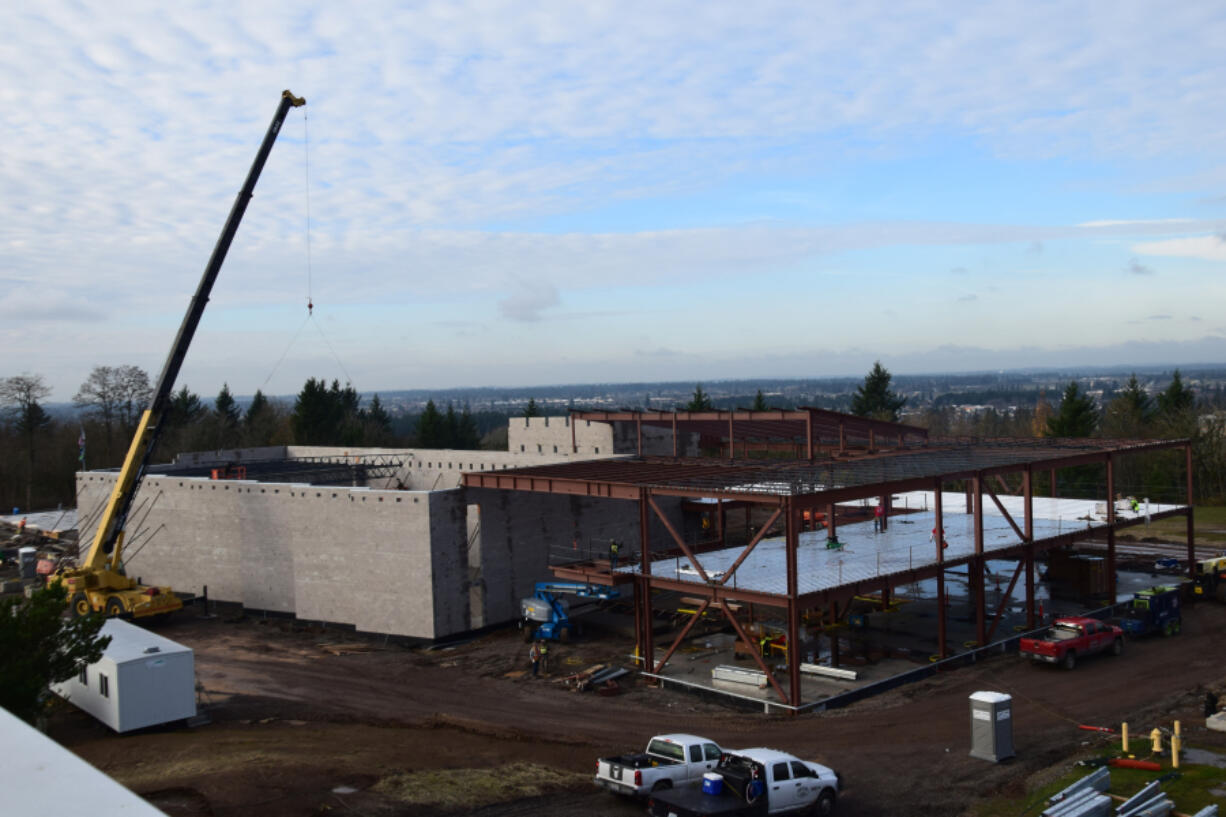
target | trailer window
[
  {"x": 780, "y": 772},
  {"x": 83, "y": 676},
  {"x": 104, "y": 685}
]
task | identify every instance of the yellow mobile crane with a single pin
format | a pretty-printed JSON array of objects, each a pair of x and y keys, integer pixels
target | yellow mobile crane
[{"x": 99, "y": 583}]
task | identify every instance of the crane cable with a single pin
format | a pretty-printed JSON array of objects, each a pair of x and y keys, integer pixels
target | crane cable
[{"x": 306, "y": 164}]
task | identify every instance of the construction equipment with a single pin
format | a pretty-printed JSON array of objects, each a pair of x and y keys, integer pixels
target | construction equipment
[
  {"x": 99, "y": 583},
  {"x": 546, "y": 614},
  {"x": 1211, "y": 578},
  {"x": 1154, "y": 610}
]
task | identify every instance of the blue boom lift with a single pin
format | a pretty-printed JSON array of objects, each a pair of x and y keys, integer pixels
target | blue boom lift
[{"x": 546, "y": 614}]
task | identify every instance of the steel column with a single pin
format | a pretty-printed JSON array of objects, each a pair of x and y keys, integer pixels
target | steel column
[
  {"x": 809, "y": 436},
  {"x": 1028, "y": 512},
  {"x": 792, "y": 542},
  {"x": 1111, "y": 528},
  {"x": 674, "y": 435},
  {"x": 939, "y": 537},
  {"x": 574, "y": 445},
  {"x": 1191, "y": 526},
  {"x": 638, "y": 429},
  {"x": 645, "y": 571},
  {"x": 731, "y": 438},
  {"x": 980, "y": 600}
]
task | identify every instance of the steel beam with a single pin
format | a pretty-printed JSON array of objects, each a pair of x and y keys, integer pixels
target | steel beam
[
  {"x": 749, "y": 548},
  {"x": 757, "y": 656},
  {"x": 1000, "y": 608},
  {"x": 681, "y": 636},
  {"x": 677, "y": 538}
]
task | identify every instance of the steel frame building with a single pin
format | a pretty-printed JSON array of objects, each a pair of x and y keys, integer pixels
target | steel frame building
[{"x": 845, "y": 460}]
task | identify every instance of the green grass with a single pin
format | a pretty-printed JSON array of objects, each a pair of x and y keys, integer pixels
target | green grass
[
  {"x": 1190, "y": 792},
  {"x": 466, "y": 789},
  {"x": 1209, "y": 522}
]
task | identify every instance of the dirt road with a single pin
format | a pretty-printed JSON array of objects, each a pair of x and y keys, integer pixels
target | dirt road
[{"x": 300, "y": 729}]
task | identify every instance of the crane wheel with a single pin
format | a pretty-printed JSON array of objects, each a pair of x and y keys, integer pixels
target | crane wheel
[
  {"x": 114, "y": 607},
  {"x": 80, "y": 605}
]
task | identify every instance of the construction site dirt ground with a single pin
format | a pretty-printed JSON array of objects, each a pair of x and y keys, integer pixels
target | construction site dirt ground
[{"x": 306, "y": 720}]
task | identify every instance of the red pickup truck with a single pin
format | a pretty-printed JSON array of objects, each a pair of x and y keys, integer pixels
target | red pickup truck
[{"x": 1071, "y": 638}]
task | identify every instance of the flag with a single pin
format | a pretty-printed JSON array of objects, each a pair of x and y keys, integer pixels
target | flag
[{"x": 81, "y": 446}]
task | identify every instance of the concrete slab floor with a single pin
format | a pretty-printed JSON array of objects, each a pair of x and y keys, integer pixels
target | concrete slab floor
[{"x": 890, "y": 642}]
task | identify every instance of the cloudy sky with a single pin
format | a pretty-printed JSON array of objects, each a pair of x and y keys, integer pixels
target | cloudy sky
[{"x": 528, "y": 193}]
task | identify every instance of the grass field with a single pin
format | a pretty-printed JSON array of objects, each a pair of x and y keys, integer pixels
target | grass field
[{"x": 1209, "y": 523}]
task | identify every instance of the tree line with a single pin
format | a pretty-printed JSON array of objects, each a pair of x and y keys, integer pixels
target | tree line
[{"x": 48, "y": 452}]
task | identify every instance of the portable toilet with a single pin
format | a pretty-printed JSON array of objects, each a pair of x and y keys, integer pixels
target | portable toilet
[
  {"x": 142, "y": 679},
  {"x": 27, "y": 559},
  {"x": 991, "y": 726}
]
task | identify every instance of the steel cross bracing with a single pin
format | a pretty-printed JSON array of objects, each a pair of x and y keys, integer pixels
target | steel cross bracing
[{"x": 794, "y": 487}]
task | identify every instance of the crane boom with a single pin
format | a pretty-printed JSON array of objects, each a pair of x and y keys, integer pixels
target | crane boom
[{"x": 99, "y": 578}]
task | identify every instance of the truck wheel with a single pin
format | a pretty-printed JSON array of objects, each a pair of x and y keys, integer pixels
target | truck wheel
[
  {"x": 1117, "y": 647},
  {"x": 80, "y": 605},
  {"x": 824, "y": 807},
  {"x": 661, "y": 785},
  {"x": 114, "y": 607},
  {"x": 1070, "y": 659}
]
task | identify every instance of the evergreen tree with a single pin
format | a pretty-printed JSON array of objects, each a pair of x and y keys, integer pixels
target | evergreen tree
[
  {"x": 700, "y": 401},
  {"x": 531, "y": 409},
  {"x": 1177, "y": 397},
  {"x": 1128, "y": 414},
  {"x": 468, "y": 437},
  {"x": 259, "y": 404},
  {"x": 41, "y": 647},
  {"x": 1077, "y": 415},
  {"x": 261, "y": 422},
  {"x": 451, "y": 428},
  {"x": 430, "y": 428},
  {"x": 759, "y": 401},
  {"x": 184, "y": 408},
  {"x": 874, "y": 398},
  {"x": 315, "y": 417},
  {"x": 225, "y": 407}
]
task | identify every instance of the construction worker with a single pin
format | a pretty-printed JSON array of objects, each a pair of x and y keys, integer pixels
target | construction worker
[
  {"x": 933, "y": 538},
  {"x": 544, "y": 658},
  {"x": 614, "y": 549},
  {"x": 534, "y": 655},
  {"x": 1136, "y": 506},
  {"x": 878, "y": 515}
]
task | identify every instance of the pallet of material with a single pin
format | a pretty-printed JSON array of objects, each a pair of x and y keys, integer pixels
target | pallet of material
[
  {"x": 830, "y": 672},
  {"x": 739, "y": 675}
]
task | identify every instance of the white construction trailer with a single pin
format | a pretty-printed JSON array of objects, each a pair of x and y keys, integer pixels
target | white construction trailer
[{"x": 142, "y": 679}]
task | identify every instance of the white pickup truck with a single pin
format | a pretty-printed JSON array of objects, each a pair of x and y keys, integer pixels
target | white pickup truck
[{"x": 670, "y": 760}]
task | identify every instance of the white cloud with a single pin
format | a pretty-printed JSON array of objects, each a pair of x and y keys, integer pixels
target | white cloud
[{"x": 1204, "y": 247}]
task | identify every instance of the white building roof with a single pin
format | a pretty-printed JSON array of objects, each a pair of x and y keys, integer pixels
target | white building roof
[
  {"x": 40, "y": 778},
  {"x": 132, "y": 643}
]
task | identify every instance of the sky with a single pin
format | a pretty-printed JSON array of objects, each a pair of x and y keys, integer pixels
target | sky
[{"x": 508, "y": 193}]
